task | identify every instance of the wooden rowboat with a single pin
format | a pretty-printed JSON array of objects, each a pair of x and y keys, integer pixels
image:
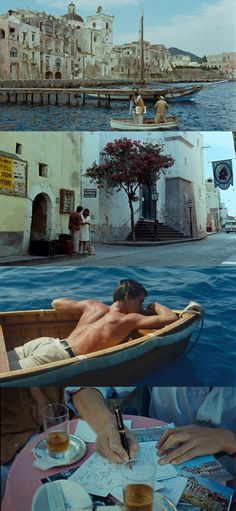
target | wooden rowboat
[
  {"x": 171, "y": 94},
  {"x": 148, "y": 124},
  {"x": 123, "y": 364}
]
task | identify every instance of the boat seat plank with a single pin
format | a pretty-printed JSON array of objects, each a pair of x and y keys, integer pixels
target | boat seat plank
[{"x": 4, "y": 364}]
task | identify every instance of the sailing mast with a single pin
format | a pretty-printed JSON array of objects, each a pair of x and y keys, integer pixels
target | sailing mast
[{"x": 141, "y": 51}]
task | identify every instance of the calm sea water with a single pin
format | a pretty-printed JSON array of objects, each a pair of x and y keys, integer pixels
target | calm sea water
[
  {"x": 213, "y": 109},
  {"x": 212, "y": 360}
]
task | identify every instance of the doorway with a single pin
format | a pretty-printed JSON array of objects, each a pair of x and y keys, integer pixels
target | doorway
[
  {"x": 38, "y": 229},
  {"x": 148, "y": 206}
]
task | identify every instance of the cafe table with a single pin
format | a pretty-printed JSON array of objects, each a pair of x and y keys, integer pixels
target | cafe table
[{"x": 24, "y": 478}]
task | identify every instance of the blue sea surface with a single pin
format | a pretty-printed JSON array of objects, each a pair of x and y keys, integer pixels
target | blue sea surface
[
  {"x": 212, "y": 360},
  {"x": 214, "y": 108}
]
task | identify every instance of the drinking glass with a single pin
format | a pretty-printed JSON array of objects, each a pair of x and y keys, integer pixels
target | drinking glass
[
  {"x": 138, "y": 479},
  {"x": 56, "y": 429}
]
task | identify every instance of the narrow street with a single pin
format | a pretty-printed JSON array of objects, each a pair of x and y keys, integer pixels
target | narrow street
[{"x": 217, "y": 249}]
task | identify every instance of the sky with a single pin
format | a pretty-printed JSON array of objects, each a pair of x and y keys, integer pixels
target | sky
[
  {"x": 203, "y": 27},
  {"x": 218, "y": 145}
]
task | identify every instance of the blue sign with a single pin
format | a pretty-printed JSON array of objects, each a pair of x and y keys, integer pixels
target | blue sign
[{"x": 223, "y": 173}]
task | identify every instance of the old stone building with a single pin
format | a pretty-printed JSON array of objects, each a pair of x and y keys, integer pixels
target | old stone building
[
  {"x": 125, "y": 60},
  {"x": 224, "y": 61},
  {"x": 19, "y": 48},
  {"x": 37, "y": 45}
]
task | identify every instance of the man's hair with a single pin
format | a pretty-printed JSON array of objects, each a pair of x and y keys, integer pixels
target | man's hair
[
  {"x": 132, "y": 287},
  {"x": 79, "y": 209}
]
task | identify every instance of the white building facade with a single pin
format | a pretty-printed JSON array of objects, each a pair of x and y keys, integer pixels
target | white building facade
[
  {"x": 42, "y": 181},
  {"x": 35, "y": 45}
]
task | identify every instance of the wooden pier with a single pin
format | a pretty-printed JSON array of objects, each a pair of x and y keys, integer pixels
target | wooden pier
[{"x": 69, "y": 96}]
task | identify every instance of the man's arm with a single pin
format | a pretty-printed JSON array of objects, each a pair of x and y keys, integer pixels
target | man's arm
[
  {"x": 69, "y": 305},
  {"x": 92, "y": 407},
  {"x": 155, "y": 316}
]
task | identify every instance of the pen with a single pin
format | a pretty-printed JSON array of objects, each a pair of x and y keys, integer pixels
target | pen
[{"x": 121, "y": 430}]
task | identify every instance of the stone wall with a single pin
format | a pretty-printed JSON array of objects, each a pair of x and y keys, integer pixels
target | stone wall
[
  {"x": 177, "y": 75},
  {"x": 11, "y": 243},
  {"x": 177, "y": 213}
]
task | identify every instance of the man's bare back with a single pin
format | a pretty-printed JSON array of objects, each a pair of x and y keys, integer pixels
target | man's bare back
[{"x": 101, "y": 326}]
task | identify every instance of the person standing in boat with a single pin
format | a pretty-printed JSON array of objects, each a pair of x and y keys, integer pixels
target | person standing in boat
[
  {"x": 84, "y": 231},
  {"x": 140, "y": 108},
  {"x": 99, "y": 326},
  {"x": 75, "y": 221},
  {"x": 132, "y": 108},
  {"x": 161, "y": 106}
]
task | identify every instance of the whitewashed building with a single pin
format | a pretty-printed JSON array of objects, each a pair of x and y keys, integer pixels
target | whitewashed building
[
  {"x": 42, "y": 180},
  {"x": 183, "y": 182},
  {"x": 40, "y": 184},
  {"x": 212, "y": 206}
]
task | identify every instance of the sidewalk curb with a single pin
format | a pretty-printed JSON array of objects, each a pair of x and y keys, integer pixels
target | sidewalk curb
[{"x": 150, "y": 243}]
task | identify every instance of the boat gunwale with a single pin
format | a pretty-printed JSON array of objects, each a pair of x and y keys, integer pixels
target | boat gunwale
[{"x": 189, "y": 318}]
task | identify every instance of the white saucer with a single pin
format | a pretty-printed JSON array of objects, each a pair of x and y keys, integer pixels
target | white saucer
[
  {"x": 76, "y": 451},
  {"x": 75, "y": 497}
]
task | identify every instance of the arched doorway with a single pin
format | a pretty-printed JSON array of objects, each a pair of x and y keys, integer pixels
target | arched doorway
[
  {"x": 48, "y": 75},
  {"x": 58, "y": 75},
  {"x": 38, "y": 229}
]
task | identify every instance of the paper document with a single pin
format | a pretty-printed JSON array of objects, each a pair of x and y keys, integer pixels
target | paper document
[
  {"x": 84, "y": 431},
  {"x": 101, "y": 476},
  {"x": 150, "y": 434}
]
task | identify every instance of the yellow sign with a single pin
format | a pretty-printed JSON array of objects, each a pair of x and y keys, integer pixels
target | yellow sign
[{"x": 6, "y": 173}]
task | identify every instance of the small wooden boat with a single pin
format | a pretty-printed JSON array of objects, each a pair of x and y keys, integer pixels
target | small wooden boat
[
  {"x": 148, "y": 124},
  {"x": 171, "y": 94},
  {"x": 176, "y": 94},
  {"x": 123, "y": 364}
]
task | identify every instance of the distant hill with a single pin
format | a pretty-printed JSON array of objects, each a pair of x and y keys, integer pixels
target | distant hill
[{"x": 175, "y": 51}]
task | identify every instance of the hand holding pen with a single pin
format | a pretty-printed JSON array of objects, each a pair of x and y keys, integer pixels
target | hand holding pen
[{"x": 121, "y": 430}]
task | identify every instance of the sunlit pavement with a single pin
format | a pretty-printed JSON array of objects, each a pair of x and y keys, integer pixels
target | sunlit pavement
[{"x": 219, "y": 249}]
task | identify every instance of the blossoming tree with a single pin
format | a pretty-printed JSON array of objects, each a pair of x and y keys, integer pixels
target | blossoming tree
[{"x": 128, "y": 164}]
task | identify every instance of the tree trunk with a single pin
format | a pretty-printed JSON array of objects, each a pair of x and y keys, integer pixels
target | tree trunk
[{"x": 132, "y": 220}]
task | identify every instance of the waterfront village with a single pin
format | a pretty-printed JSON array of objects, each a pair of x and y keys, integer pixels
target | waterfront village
[
  {"x": 46, "y": 182},
  {"x": 38, "y": 46}
]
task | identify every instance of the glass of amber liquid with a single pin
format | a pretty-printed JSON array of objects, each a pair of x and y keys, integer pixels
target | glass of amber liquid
[
  {"x": 56, "y": 429},
  {"x": 138, "y": 477}
]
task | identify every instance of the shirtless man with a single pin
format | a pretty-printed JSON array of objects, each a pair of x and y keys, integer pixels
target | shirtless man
[{"x": 100, "y": 326}]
